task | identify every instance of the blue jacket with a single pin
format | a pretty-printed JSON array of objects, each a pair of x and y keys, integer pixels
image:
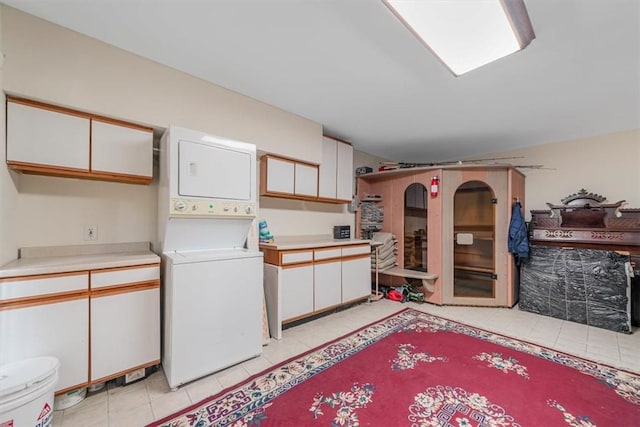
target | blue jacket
[{"x": 518, "y": 236}]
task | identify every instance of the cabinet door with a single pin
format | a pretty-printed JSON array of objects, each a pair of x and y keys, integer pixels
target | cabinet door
[
  {"x": 306, "y": 180},
  {"x": 297, "y": 291},
  {"x": 327, "y": 170},
  {"x": 327, "y": 284},
  {"x": 47, "y": 137},
  {"x": 121, "y": 149},
  {"x": 59, "y": 329},
  {"x": 280, "y": 175},
  {"x": 344, "y": 172},
  {"x": 125, "y": 331},
  {"x": 356, "y": 279}
]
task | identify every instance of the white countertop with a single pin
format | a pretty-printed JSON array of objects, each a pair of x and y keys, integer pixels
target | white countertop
[
  {"x": 62, "y": 259},
  {"x": 312, "y": 241}
]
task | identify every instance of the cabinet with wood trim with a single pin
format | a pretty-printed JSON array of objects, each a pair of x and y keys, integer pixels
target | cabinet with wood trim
[
  {"x": 306, "y": 281},
  {"x": 287, "y": 178},
  {"x": 80, "y": 318},
  {"x": 47, "y": 315},
  {"x": 125, "y": 314},
  {"x": 335, "y": 182},
  {"x": 49, "y": 140}
]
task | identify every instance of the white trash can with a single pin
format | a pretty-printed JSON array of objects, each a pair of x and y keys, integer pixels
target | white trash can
[{"x": 26, "y": 392}]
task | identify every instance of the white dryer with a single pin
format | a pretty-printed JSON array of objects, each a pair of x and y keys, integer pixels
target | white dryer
[{"x": 212, "y": 284}]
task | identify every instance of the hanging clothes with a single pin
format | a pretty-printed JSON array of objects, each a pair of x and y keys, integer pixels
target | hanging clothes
[{"x": 518, "y": 237}]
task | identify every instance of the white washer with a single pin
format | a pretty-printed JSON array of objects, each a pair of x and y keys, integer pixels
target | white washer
[
  {"x": 213, "y": 311},
  {"x": 212, "y": 285}
]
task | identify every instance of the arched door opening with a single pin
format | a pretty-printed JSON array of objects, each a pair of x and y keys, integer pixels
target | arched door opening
[{"x": 415, "y": 227}]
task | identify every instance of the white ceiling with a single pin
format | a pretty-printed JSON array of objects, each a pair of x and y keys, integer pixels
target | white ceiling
[{"x": 351, "y": 66}]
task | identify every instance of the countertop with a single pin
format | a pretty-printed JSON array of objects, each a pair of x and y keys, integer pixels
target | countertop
[
  {"x": 312, "y": 241},
  {"x": 60, "y": 259}
]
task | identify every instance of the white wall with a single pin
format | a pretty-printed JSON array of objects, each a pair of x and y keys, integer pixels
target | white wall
[
  {"x": 608, "y": 165},
  {"x": 8, "y": 190},
  {"x": 54, "y": 65}
]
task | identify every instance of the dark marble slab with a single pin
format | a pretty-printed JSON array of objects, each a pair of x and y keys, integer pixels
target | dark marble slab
[{"x": 588, "y": 286}]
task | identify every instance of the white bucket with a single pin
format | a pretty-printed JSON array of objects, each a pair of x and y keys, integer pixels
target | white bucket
[{"x": 26, "y": 392}]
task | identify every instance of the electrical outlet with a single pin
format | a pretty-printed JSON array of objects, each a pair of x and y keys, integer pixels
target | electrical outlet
[{"x": 90, "y": 232}]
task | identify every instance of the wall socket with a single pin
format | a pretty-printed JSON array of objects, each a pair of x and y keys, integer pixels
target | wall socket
[{"x": 90, "y": 232}]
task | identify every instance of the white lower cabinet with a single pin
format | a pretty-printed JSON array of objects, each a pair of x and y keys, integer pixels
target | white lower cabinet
[
  {"x": 297, "y": 291},
  {"x": 125, "y": 331},
  {"x": 300, "y": 283},
  {"x": 327, "y": 284},
  {"x": 125, "y": 315},
  {"x": 99, "y": 324},
  {"x": 356, "y": 279},
  {"x": 47, "y": 315},
  {"x": 59, "y": 329}
]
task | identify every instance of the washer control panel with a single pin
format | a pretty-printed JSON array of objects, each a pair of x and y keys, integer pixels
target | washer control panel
[{"x": 210, "y": 208}]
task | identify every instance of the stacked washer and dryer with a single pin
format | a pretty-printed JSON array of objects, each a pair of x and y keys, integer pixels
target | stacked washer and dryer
[{"x": 212, "y": 283}]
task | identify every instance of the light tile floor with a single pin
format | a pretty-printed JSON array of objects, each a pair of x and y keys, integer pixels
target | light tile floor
[{"x": 150, "y": 399}]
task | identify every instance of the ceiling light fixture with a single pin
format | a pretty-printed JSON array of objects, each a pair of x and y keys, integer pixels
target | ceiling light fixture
[{"x": 466, "y": 34}]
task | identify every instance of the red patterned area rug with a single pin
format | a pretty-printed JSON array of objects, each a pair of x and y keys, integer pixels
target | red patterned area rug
[{"x": 416, "y": 369}]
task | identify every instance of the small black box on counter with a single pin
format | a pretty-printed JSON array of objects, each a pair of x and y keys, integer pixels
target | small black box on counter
[
  {"x": 341, "y": 232},
  {"x": 363, "y": 169}
]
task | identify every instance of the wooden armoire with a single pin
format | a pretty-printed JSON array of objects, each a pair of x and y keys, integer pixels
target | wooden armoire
[{"x": 460, "y": 234}]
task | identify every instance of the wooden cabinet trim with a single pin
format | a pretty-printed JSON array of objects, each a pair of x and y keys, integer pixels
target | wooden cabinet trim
[
  {"x": 296, "y": 265},
  {"x": 49, "y": 107},
  {"x": 126, "y": 267},
  {"x": 38, "y": 169},
  {"x": 338, "y": 139},
  {"x": 43, "y": 299},
  {"x": 124, "y": 288},
  {"x": 121, "y": 373},
  {"x": 357, "y": 256},
  {"x": 44, "y": 276},
  {"x": 42, "y": 169},
  {"x": 121, "y": 123},
  {"x": 287, "y": 159},
  {"x": 76, "y": 113}
]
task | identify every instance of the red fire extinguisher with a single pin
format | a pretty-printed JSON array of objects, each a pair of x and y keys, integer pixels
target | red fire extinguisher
[{"x": 435, "y": 183}]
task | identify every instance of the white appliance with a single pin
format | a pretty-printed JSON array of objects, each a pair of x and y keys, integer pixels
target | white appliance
[{"x": 212, "y": 284}]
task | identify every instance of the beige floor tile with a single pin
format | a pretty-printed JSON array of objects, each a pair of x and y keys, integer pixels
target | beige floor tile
[
  {"x": 137, "y": 416},
  {"x": 126, "y": 401},
  {"x": 231, "y": 376},
  {"x": 203, "y": 388},
  {"x": 80, "y": 416},
  {"x": 169, "y": 403}
]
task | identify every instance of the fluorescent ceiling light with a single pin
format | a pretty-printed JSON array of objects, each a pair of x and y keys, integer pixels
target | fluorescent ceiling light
[{"x": 466, "y": 34}]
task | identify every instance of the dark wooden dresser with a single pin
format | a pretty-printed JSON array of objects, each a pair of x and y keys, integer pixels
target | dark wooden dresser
[{"x": 584, "y": 263}]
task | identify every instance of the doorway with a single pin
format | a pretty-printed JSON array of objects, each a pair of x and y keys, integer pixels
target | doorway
[
  {"x": 415, "y": 227},
  {"x": 474, "y": 241}
]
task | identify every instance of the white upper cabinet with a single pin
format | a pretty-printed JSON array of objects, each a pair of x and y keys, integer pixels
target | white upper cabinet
[
  {"x": 121, "y": 149},
  {"x": 327, "y": 181},
  {"x": 306, "y": 180},
  {"x": 344, "y": 172},
  {"x": 336, "y": 171},
  {"x": 46, "y": 137},
  {"x": 280, "y": 175},
  {"x": 288, "y": 178},
  {"x": 49, "y": 140}
]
